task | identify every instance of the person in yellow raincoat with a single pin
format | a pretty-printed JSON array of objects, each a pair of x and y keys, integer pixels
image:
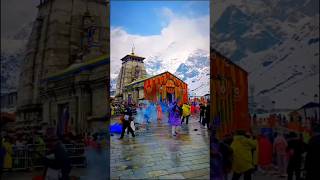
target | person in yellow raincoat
[
  {"x": 112, "y": 110},
  {"x": 186, "y": 111},
  {"x": 243, "y": 156},
  {"x": 9, "y": 152}
]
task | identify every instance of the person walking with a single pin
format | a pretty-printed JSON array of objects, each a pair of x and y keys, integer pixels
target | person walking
[
  {"x": 174, "y": 118},
  {"x": 185, "y": 112},
  {"x": 279, "y": 148},
  {"x": 242, "y": 147},
  {"x": 126, "y": 122},
  {"x": 295, "y": 149},
  {"x": 227, "y": 156},
  {"x": 202, "y": 110}
]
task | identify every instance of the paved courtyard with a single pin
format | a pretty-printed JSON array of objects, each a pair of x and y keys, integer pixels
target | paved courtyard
[{"x": 155, "y": 154}]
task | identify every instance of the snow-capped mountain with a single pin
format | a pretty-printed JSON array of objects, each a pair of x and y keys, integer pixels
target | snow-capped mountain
[
  {"x": 277, "y": 42},
  {"x": 12, "y": 55},
  {"x": 10, "y": 65},
  {"x": 196, "y": 73}
]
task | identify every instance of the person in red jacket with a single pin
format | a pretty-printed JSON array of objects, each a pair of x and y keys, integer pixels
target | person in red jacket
[{"x": 264, "y": 152}]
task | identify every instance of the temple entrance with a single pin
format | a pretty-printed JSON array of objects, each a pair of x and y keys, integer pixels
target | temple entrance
[
  {"x": 63, "y": 119},
  {"x": 170, "y": 97}
]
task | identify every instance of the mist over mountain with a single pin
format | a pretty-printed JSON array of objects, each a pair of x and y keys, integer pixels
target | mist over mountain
[
  {"x": 12, "y": 56},
  {"x": 277, "y": 43}
]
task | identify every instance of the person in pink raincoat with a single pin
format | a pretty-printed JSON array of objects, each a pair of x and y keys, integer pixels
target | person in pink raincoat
[
  {"x": 279, "y": 147},
  {"x": 159, "y": 112}
]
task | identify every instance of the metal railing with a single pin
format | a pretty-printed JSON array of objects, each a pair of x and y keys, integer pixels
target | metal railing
[{"x": 31, "y": 156}]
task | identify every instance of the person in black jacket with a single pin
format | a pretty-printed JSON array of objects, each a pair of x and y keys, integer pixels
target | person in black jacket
[
  {"x": 227, "y": 155},
  {"x": 202, "y": 110},
  {"x": 296, "y": 148},
  {"x": 61, "y": 159},
  {"x": 126, "y": 122},
  {"x": 313, "y": 156},
  {"x": 206, "y": 116}
]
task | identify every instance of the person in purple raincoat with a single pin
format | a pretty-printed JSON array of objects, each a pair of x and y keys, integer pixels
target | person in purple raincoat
[{"x": 174, "y": 117}]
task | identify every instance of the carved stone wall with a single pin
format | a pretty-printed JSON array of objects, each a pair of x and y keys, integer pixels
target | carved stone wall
[{"x": 58, "y": 34}]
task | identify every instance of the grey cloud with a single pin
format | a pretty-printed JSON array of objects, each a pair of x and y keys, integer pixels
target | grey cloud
[{"x": 15, "y": 14}]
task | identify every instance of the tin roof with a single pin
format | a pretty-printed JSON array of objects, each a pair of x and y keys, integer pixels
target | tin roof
[
  {"x": 227, "y": 59},
  {"x": 146, "y": 78}
]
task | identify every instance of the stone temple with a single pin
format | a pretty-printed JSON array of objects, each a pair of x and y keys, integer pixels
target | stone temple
[
  {"x": 131, "y": 70},
  {"x": 64, "y": 75}
]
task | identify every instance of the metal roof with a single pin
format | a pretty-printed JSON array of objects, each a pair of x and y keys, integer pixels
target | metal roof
[{"x": 143, "y": 79}]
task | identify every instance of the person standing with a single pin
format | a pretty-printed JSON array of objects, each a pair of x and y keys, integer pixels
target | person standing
[
  {"x": 265, "y": 152},
  {"x": 159, "y": 112},
  {"x": 206, "y": 119},
  {"x": 313, "y": 156},
  {"x": 126, "y": 123},
  {"x": 202, "y": 110},
  {"x": 242, "y": 147},
  {"x": 227, "y": 155},
  {"x": 279, "y": 147},
  {"x": 295, "y": 150},
  {"x": 2, "y": 155},
  {"x": 58, "y": 158},
  {"x": 7, "y": 144},
  {"x": 185, "y": 112},
  {"x": 174, "y": 118}
]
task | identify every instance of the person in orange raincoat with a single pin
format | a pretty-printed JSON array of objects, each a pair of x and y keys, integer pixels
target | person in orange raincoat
[{"x": 159, "y": 112}]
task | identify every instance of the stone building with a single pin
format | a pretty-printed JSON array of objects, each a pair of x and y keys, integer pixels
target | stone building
[
  {"x": 66, "y": 65},
  {"x": 132, "y": 69},
  {"x": 8, "y": 101}
]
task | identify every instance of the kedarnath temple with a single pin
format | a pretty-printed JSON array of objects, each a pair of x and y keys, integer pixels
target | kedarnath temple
[
  {"x": 64, "y": 77},
  {"x": 133, "y": 84}
]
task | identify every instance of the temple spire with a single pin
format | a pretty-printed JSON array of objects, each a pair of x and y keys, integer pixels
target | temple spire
[{"x": 132, "y": 50}]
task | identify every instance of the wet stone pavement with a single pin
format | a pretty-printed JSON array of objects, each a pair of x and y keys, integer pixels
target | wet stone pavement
[{"x": 155, "y": 154}]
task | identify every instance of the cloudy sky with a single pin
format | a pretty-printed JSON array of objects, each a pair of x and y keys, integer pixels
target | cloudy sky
[
  {"x": 163, "y": 31},
  {"x": 15, "y": 14}
]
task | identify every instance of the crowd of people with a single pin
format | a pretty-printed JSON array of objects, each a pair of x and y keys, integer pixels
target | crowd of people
[
  {"x": 279, "y": 153},
  {"x": 174, "y": 113},
  {"x": 42, "y": 150}
]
